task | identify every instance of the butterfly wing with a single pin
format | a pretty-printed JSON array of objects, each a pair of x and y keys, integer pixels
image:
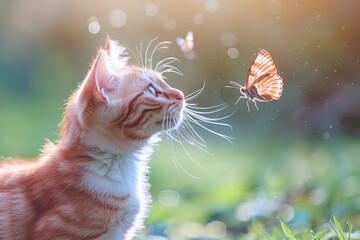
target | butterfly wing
[
  {"x": 182, "y": 44},
  {"x": 180, "y": 41},
  {"x": 190, "y": 40},
  {"x": 262, "y": 64},
  {"x": 190, "y": 36},
  {"x": 269, "y": 86}
]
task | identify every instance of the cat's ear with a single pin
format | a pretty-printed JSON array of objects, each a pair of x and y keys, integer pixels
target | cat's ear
[
  {"x": 105, "y": 72},
  {"x": 104, "y": 76},
  {"x": 108, "y": 66},
  {"x": 118, "y": 57},
  {"x": 107, "y": 44}
]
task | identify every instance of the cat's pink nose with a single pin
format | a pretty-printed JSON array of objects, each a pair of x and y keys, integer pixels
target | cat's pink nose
[{"x": 176, "y": 94}]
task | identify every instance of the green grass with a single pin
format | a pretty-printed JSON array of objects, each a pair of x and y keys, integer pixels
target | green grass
[
  {"x": 338, "y": 230},
  {"x": 335, "y": 232},
  {"x": 287, "y": 231},
  {"x": 248, "y": 187}
]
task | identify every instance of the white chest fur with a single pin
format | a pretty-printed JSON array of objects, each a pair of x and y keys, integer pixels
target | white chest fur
[
  {"x": 121, "y": 175},
  {"x": 114, "y": 174}
]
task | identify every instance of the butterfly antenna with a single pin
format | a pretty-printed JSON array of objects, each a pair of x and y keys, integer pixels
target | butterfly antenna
[
  {"x": 235, "y": 84},
  {"x": 231, "y": 85}
]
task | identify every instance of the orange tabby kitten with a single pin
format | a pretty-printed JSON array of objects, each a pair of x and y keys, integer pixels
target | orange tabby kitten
[{"x": 92, "y": 184}]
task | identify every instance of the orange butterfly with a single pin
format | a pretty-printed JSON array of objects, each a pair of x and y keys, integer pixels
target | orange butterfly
[
  {"x": 262, "y": 82},
  {"x": 186, "y": 44}
]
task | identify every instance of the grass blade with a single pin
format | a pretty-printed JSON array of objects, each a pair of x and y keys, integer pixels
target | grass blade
[
  {"x": 286, "y": 230},
  {"x": 318, "y": 236},
  {"x": 333, "y": 227},
  {"x": 340, "y": 229},
  {"x": 350, "y": 230}
]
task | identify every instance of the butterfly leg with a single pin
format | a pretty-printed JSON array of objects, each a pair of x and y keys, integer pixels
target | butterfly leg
[
  {"x": 256, "y": 106},
  {"x": 239, "y": 99},
  {"x": 247, "y": 103}
]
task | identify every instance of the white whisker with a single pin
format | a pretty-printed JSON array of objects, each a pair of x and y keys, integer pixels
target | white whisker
[
  {"x": 160, "y": 67},
  {"x": 161, "y": 62},
  {"x": 188, "y": 154},
  {"x": 195, "y": 106},
  {"x": 134, "y": 55},
  {"x": 164, "y": 119},
  {"x": 173, "y": 138},
  {"x": 194, "y": 142},
  {"x": 190, "y": 109},
  {"x": 191, "y": 94},
  {"x": 155, "y": 49},
  {"x": 170, "y": 139},
  {"x": 171, "y": 70},
  {"x": 147, "y": 64},
  {"x": 194, "y": 134},
  {"x": 195, "y": 94},
  {"x": 140, "y": 54},
  {"x": 170, "y": 146},
  {"x": 215, "y": 120},
  {"x": 227, "y": 138},
  {"x": 177, "y": 161}
]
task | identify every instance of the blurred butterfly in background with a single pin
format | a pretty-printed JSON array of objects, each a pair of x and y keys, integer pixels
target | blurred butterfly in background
[
  {"x": 262, "y": 82},
  {"x": 186, "y": 44}
]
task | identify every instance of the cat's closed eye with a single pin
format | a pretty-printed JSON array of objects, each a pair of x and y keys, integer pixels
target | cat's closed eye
[{"x": 151, "y": 90}]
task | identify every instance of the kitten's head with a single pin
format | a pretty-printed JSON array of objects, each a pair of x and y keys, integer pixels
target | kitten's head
[{"x": 119, "y": 105}]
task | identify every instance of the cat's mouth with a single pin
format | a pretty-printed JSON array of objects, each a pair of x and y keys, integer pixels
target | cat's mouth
[{"x": 170, "y": 122}]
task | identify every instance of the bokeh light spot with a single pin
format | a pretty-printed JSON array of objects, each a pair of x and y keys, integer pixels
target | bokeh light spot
[
  {"x": 190, "y": 55},
  {"x": 286, "y": 212},
  {"x": 191, "y": 230},
  {"x": 153, "y": 237},
  {"x": 117, "y": 18},
  {"x": 228, "y": 39},
  {"x": 162, "y": 16},
  {"x": 215, "y": 230},
  {"x": 233, "y": 53},
  {"x": 92, "y": 19},
  {"x": 140, "y": 14},
  {"x": 169, "y": 198},
  {"x": 169, "y": 24},
  {"x": 318, "y": 196},
  {"x": 93, "y": 25},
  {"x": 211, "y": 5},
  {"x": 326, "y": 135},
  {"x": 151, "y": 9},
  {"x": 198, "y": 18},
  {"x": 274, "y": 6}
]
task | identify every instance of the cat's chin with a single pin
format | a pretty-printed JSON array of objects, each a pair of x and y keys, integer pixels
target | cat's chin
[{"x": 171, "y": 124}]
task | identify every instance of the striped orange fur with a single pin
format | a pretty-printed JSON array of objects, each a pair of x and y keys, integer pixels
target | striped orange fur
[{"x": 92, "y": 183}]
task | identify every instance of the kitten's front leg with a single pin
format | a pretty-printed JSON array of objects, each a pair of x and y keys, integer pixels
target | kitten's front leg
[
  {"x": 114, "y": 234},
  {"x": 120, "y": 229}
]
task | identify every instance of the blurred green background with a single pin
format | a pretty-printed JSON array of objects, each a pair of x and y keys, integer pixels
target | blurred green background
[{"x": 296, "y": 158}]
